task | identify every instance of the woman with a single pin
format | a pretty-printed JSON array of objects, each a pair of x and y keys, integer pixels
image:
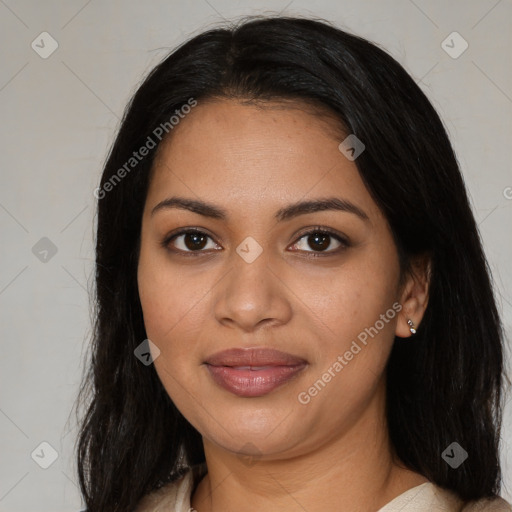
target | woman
[{"x": 294, "y": 308}]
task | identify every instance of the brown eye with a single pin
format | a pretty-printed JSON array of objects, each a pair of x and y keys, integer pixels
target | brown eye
[
  {"x": 190, "y": 241},
  {"x": 194, "y": 241},
  {"x": 320, "y": 241}
]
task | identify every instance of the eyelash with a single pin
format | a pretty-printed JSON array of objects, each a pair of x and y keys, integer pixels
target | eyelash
[{"x": 311, "y": 254}]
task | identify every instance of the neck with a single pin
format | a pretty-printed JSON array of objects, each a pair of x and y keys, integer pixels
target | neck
[{"x": 353, "y": 470}]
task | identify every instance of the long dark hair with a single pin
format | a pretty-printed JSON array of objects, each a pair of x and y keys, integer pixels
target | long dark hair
[{"x": 443, "y": 387}]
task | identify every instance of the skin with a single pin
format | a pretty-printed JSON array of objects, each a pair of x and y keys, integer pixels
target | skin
[{"x": 273, "y": 452}]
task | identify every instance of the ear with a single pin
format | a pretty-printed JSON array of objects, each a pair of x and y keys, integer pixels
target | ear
[{"x": 414, "y": 296}]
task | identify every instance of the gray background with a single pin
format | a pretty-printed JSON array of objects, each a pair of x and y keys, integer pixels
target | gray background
[{"x": 59, "y": 116}]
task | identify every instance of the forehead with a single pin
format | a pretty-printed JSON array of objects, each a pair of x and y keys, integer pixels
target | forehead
[{"x": 230, "y": 152}]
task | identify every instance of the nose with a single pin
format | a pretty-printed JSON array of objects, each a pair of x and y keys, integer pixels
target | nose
[{"x": 252, "y": 295}]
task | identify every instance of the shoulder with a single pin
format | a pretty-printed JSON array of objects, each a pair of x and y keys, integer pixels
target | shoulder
[
  {"x": 174, "y": 496},
  {"x": 496, "y": 504},
  {"x": 430, "y": 497}
]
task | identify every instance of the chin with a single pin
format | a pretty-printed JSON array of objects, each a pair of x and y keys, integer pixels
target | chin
[{"x": 254, "y": 436}]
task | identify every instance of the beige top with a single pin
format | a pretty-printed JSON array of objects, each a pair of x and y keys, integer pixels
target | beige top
[{"x": 427, "y": 497}]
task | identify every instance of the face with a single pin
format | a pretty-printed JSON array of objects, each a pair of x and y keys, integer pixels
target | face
[{"x": 317, "y": 284}]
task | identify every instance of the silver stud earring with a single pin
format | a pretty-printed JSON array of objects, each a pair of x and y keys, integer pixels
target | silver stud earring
[{"x": 411, "y": 326}]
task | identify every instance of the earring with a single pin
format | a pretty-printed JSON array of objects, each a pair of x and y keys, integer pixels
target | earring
[{"x": 411, "y": 326}]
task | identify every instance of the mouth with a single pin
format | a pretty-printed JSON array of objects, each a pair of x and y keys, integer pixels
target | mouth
[{"x": 253, "y": 372}]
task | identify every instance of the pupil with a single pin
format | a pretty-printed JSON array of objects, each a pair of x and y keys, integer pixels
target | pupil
[
  {"x": 314, "y": 240},
  {"x": 196, "y": 242}
]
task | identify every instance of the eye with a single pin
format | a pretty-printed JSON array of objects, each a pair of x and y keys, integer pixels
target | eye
[
  {"x": 193, "y": 240},
  {"x": 189, "y": 241},
  {"x": 320, "y": 239}
]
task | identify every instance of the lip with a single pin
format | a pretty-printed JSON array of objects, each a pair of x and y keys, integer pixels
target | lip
[{"x": 253, "y": 372}]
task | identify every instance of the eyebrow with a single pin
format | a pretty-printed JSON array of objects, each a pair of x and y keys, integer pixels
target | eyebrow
[{"x": 283, "y": 214}]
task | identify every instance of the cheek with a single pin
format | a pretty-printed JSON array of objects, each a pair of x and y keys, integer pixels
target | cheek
[
  {"x": 350, "y": 300},
  {"x": 173, "y": 314},
  {"x": 167, "y": 304},
  {"x": 175, "y": 305},
  {"x": 351, "y": 357},
  {"x": 354, "y": 310}
]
